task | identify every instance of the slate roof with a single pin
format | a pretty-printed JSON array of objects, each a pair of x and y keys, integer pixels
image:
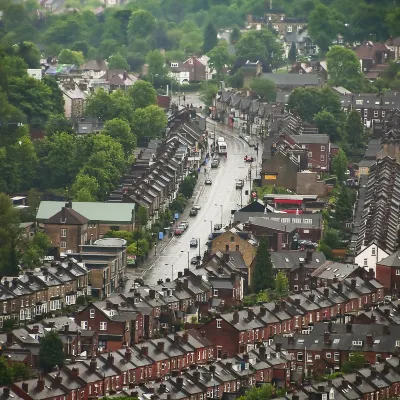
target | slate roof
[
  {"x": 287, "y": 79},
  {"x": 392, "y": 261},
  {"x": 67, "y": 216}
]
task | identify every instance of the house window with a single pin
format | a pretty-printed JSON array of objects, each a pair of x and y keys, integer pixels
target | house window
[
  {"x": 322, "y": 158},
  {"x": 63, "y": 233},
  {"x": 397, "y": 273},
  {"x": 299, "y": 27},
  {"x": 309, "y": 165},
  {"x": 376, "y": 114},
  {"x": 216, "y": 292},
  {"x": 322, "y": 148},
  {"x": 383, "y": 114},
  {"x": 328, "y": 355},
  {"x": 191, "y": 61},
  {"x": 359, "y": 102},
  {"x": 103, "y": 326},
  {"x": 63, "y": 245},
  {"x": 84, "y": 324},
  {"x": 232, "y": 238},
  {"x": 91, "y": 313},
  {"x": 173, "y": 65},
  {"x": 290, "y": 28},
  {"x": 373, "y": 251},
  {"x": 336, "y": 356},
  {"x": 299, "y": 356},
  {"x": 365, "y": 113},
  {"x": 309, "y": 154},
  {"x": 219, "y": 323},
  {"x": 365, "y": 262},
  {"x": 295, "y": 288}
]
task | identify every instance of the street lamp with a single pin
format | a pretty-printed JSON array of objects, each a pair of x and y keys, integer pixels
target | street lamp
[{"x": 222, "y": 207}]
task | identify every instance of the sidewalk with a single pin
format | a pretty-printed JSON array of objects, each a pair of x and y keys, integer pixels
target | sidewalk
[{"x": 143, "y": 267}]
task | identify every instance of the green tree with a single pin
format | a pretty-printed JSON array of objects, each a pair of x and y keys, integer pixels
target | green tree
[
  {"x": 292, "y": 55},
  {"x": 68, "y": 56},
  {"x": 259, "y": 393},
  {"x": 149, "y": 121},
  {"x": 10, "y": 237},
  {"x": 355, "y": 129},
  {"x": 219, "y": 59},
  {"x": 208, "y": 91},
  {"x": 355, "y": 362},
  {"x": 142, "y": 94},
  {"x": 30, "y": 53},
  {"x": 85, "y": 188},
  {"x": 281, "y": 284},
  {"x": 237, "y": 79},
  {"x": 339, "y": 165},
  {"x": 323, "y": 26},
  {"x": 121, "y": 132},
  {"x": 81, "y": 46},
  {"x": 259, "y": 45},
  {"x": 142, "y": 216},
  {"x": 210, "y": 38},
  {"x": 235, "y": 35},
  {"x": 326, "y": 250},
  {"x": 344, "y": 68},
  {"x": 6, "y": 373},
  {"x": 51, "y": 352},
  {"x": 155, "y": 61},
  {"x": 58, "y": 123},
  {"x": 21, "y": 371},
  {"x": 42, "y": 243},
  {"x": 343, "y": 206},
  {"x": 118, "y": 61},
  {"x": 264, "y": 88},
  {"x": 141, "y": 24},
  {"x": 187, "y": 186},
  {"x": 99, "y": 105},
  {"x": 262, "y": 276},
  {"x": 329, "y": 125},
  {"x": 331, "y": 238}
]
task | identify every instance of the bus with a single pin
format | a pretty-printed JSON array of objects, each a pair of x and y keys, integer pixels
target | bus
[{"x": 222, "y": 148}]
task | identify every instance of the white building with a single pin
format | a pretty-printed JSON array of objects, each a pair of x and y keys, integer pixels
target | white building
[
  {"x": 369, "y": 256},
  {"x": 179, "y": 72},
  {"x": 35, "y": 73}
]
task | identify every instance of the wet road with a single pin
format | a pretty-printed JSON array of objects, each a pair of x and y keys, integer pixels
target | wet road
[{"x": 216, "y": 203}]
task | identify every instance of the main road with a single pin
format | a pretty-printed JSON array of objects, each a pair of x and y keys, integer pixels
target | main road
[{"x": 216, "y": 203}]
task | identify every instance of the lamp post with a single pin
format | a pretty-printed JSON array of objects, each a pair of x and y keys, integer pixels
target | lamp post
[{"x": 222, "y": 208}]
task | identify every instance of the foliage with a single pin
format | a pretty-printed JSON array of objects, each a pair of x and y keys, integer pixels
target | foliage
[
  {"x": 306, "y": 103},
  {"x": 343, "y": 207},
  {"x": 85, "y": 188},
  {"x": 155, "y": 61},
  {"x": 344, "y": 68},
  {"x": 326, "y": 250},
  {"x": 210, "y": 39},
  {"x": 149, "y": 121},
  {"x": 259, "y": 45},
  {"x": 255, "y": 298},
  {"x": 281, "y": 284},
  {"x": 21, "y": 371},
  {"x": 292, "y": 55},
  {"x": 264, "y": 88},
  {"x": 262, "y": 272},
  {"x": 339, "y": 165},
  {"x": 71, "y": 57},
  {"x": 354, "y": 129},
  {"x": 142, "y": 216},
  {"x": 259, "y": 393},
  {"x": 118, "y": 61},
  {"x": 178, "y": 204},
  {"x": 329, "y": 125},
  {"x": 331, "y": 238},
  {"x": 6, "y": 373},
  {"x": 8, "y": 325},
  {"x": 187, "y": 186},
  {"x": 219, "y": 59},
  {"x": 120, "y": 130},
  {"x": 355, "y": 362},
  {"x": 41, "y": 242},
  {"x": 51, "y": 352},
  {"x": 236, "y": 80},
  {"x": 208, "y": 92},
  {"x": 58, "y": 123},
  {"x": 29, "y": 52},
  {"x": 142, "y": 94},
  {"x": 235, "y": 35},
  {"x": 141, "y": 24}
]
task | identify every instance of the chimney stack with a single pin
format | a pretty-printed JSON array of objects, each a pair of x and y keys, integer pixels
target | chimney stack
[
  {"x": 370, "y": 340},
  {"x": 278, "y": 347},
  {"x": 235, "y": 318},
  {"x": 179, "y": 383},
  {"x": 128, "y": 353},
  {"x": 196, "y": 376},
  {"x": 6, "y": 393},
  {"x": 160, "y": 346},
  {"x": 93, "y": 365},
  {"x": 250, "y": 314},
  {"x": 263, "y": 311},
  {"x": 144, "y": 351},
  {"x": 40, "y": 384},
  {"x": 327, "y": 338},
  {"x": 75, "y": 372},
  {"x": 185, "y": 337},
  {"x": 261, "y": 353},
  {"x": 353, "y": 283}
]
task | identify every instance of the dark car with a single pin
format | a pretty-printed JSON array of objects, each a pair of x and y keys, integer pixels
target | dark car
[
  {"x": 214, "y": 163},
  {"x": 193, "y": 212},
  {"x": 194, "y": 260},
  {"x": 193, "y": 243},
  {"x": 239, "y": 183},
  {"x": 217, "y": 227}
]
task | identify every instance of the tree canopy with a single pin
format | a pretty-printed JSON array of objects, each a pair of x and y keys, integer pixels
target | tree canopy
[
  {"x": 51, "y": 352},
  {"x": 262, "y": 275}
]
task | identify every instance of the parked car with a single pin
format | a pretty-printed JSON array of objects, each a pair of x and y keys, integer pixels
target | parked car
[
  {"x": 215, "y": 163},
  {"x": 217, "y": 227},
  {"x": 248, "y": 158},
  {"x": 210, "y": 236},
  {"x": 208, "y": 181},
  {"x": 239, "y": 184},
  {"x": 193, "y": 243},
  {"x": 194, "y": 260},
  {"x": 193, "y": 212},
  {"x": 178, "y": 232},
  {"x": 185, "y": 224},
  {"x": 196, "y": 207}
]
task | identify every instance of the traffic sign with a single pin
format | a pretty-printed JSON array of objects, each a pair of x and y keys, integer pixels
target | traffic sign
[
  {"x": 160, "y": 235},
  {"x": 176, "y": 216}
]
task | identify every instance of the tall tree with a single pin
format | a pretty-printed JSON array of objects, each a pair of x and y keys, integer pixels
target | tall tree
[
  {"x": 142, "y": 94},
  {"x": 118, "y": 61},
  {"x": 51, "y": 352},
  {"x": 264, "y": 88},
  {"x": 344, "y": 68},
  {"x": 262, "y": 276},
  {"x": 155, "y": 61},
  {"x": 343, "y": 206},
  {"x": 149, "y": 121},
  {"x": 68, "y": 56},
  {"x": 281, "y": 284},
  {"x": 235, "y": 35},
  {"x": 292, "y": 56},
  {"x": 323, "y": 26},
  {"x": 339, "y": 165},
  {"x": 219, "y": 59},
  {"x": 355, "y": 129},
  {"x": 210, "y": 37},
  {"x": 30, "y": 53},
  {"x": 329, "y": 125},
  {"x": 264, "y": 392},
  {"x": 141, "y": 24},
  {"x": 85, "y": 188},
  {"x": 121, "y": 132}
]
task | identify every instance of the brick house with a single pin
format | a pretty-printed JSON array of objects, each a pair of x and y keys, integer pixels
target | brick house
[
  {"x": 197, "y": 70},
  {"x": 67, "y": 230},
  {"x": 388, "y": 273},
  {"x": 372, "y": 54}
]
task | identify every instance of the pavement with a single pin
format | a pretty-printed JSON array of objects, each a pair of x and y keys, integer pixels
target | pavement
[{"x": 174, "y": 254}]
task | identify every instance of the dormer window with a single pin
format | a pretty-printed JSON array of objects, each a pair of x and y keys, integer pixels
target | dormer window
[
  {"x": 290, "y": 28},
  {"x": 174, "y": 65}
]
